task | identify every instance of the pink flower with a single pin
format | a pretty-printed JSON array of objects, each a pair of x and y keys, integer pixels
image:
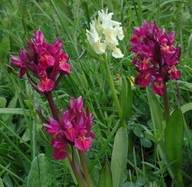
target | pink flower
[
  {"x": 158, "y": 88},
  {"x": 65, "y": 67},
  {"x": 71, "y": 134},
  {"x": 73, "y": 128},
  {"x": 83, "y": 143},
  {"x": 156, "y": 57},
  {"x": 45, "y": 85},
  {"x": 174, "y": 74},
  {"x": 60, "y": 146},
  {"x": 52, "y": 128},
  {"x": 20, "y": 61},
  {"x": 44, "y": 61}
]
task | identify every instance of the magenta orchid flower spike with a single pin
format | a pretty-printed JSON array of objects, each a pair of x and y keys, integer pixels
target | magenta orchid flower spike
[
  {"x": 44, "y": 61},
  {"x": 156, "y": 58},
  {"x": 73, "y": 128}
]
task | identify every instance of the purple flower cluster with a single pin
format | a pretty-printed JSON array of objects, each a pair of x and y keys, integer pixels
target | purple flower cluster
[
  {"x": 156, "y": 58},
  {"x": 44, "y": 61},
  {"x": 74, "y": 128}
]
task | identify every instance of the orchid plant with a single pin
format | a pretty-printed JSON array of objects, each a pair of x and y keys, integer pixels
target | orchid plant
[
  {"x": 48, "y": 63},
  {"x": 156, "y": 60},
  {"x": 103, "y": 37}
]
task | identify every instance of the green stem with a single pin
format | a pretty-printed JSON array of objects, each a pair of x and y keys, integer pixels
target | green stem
[
  {"x": 166, "y": 104},
  {"x": 85, "y": 170},
  {"x": 111, "y": 84},
  {"x": 74, "y": 171}
]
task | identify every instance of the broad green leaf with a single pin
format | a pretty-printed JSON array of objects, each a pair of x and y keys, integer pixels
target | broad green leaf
[
  {"x": 157, "y": 121},
  {"x": 1, "y": 183},
  {"x": 119, "y": 157},
  {"x": 186, "y": 107},
  {"x": 156, "y": 112},
  {"x": 105, "y": 176},
  {"x": 126, "y": 98},
  {"x": 185, "y": 85},
  {"x": 41, "y": 173},
  {"x": 174, "y": 141},
  {"x": 7, "y": 180}
]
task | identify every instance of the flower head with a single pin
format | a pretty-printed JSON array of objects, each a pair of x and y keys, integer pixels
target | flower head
[
  {"x": 74, "y": 128},
  {"x": 104, "y": 34},
  {"x": 43, "y": 61},
  {"x": 156, "y": 57}
]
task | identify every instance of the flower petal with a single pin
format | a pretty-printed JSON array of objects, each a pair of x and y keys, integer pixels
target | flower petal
[
  {"x": 65, "y": 67},
  {"x": 46, "y": 85},
  {"x": 83, "y": 143}
]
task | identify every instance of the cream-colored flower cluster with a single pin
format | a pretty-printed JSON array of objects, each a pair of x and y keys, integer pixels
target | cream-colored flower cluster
[{"x": 104, "y": 34}]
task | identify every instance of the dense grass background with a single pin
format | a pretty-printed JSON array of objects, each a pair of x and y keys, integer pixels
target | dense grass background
[{"x": 21, "y": 132}]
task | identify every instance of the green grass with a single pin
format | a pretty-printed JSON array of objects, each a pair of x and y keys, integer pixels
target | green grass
[{"x": 25, "y": 151}]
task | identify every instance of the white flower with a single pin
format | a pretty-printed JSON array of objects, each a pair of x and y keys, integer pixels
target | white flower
[
  {"x": 119, "y": 31},
  {"x": 106, "y": 19},
  {"x": 104, "y": 16},
  {"x": 110, "y": 36},
  {"x": 94, "y": 39},
  {"x": 104, "y": 34},
  {"x": 92, "y": 35},
  {"x": 117, "y": 53}
]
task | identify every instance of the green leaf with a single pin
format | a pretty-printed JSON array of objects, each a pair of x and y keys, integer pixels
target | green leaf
[
  {"x": 3, "y": 102},
  {"x": 126, "y": 98},
  {"x": 174, "y": 141},
  {"x": 7, "y": 180},
  {"x": 18, "y": 111},
  {"x": 12, "y": 104},
  {"x": 105, "y": 178},
  {"x": 129, "y": 184},
  {"x": 141, "y": 181},
  {"x": 190, "y": 44},
  {"x": 186, "y": 107},
  {"x": 41, "y": 173},
  {"x": 156, "y": 112},
  {"x": 1, "y": 183},
  {"x": 157, "y": 121},
  {"x": 146, "y": 142},
  {"x": 119, "y": 157},
  {"x": 185, "y": 85}
]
